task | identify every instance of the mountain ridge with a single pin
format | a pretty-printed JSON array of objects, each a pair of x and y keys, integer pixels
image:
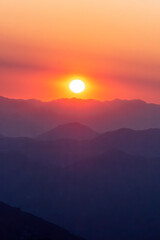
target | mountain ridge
[
  {"x": 31, "y": 118},
  {"x": 16, "y": 224},
  {"x": 77, "y": 100}
]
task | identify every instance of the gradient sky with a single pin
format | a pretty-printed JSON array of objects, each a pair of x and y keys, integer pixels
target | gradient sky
[{"x": 113, "y": 45}]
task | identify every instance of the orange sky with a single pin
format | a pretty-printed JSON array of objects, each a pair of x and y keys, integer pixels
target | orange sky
[{"x": 112, "y": 45}]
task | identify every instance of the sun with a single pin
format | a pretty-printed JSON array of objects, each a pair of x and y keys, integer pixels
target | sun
[{"x": 77, "y": 86}]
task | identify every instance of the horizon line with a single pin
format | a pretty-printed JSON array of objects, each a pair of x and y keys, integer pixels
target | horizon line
[{"x": 79, "y": 99}]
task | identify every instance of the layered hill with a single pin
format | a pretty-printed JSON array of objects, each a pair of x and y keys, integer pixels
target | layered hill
[
  {"x": 138, "y": 142},
  {"x": 103, "y": 188},
  {"x": 63, "y": 152}
]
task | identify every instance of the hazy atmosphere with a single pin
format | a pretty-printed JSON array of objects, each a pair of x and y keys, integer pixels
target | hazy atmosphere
[{"x": 113, "y": 45}]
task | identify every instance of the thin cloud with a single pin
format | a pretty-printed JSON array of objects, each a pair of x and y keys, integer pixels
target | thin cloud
[{"x": 7, "y": 64}]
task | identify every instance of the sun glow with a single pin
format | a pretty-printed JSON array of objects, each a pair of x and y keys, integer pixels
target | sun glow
[{"x": 77, "y": 86}]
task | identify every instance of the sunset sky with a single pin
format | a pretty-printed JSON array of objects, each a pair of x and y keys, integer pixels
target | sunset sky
[{"x": 114, "y": 46}]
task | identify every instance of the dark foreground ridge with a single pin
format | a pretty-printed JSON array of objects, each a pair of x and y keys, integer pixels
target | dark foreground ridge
[{"x": 17, "y": 225}]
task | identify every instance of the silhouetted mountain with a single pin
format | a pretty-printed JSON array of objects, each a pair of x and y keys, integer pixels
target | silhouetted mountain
[
  {"x": 69, "y": 131},
  {"x": 17, "y": 225},
  {"x": 32, "y": 117}
]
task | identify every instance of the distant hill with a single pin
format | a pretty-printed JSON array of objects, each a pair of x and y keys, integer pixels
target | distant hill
[
  {"x": 31, "y": 118},
  {"x": 69, "y": 131},
  {"x": 17, "y": 225},
  {"x": 138, "y": 142}
]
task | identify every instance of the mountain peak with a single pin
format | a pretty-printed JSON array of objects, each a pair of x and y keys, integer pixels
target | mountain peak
[{"x": 73, "y": 130}]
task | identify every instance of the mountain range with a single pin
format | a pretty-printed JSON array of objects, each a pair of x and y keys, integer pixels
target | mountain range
[
  {"x": 31, "y": 118},
  {"x": 87, "y": 166},
  {"x": 105, "y": 187}
]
